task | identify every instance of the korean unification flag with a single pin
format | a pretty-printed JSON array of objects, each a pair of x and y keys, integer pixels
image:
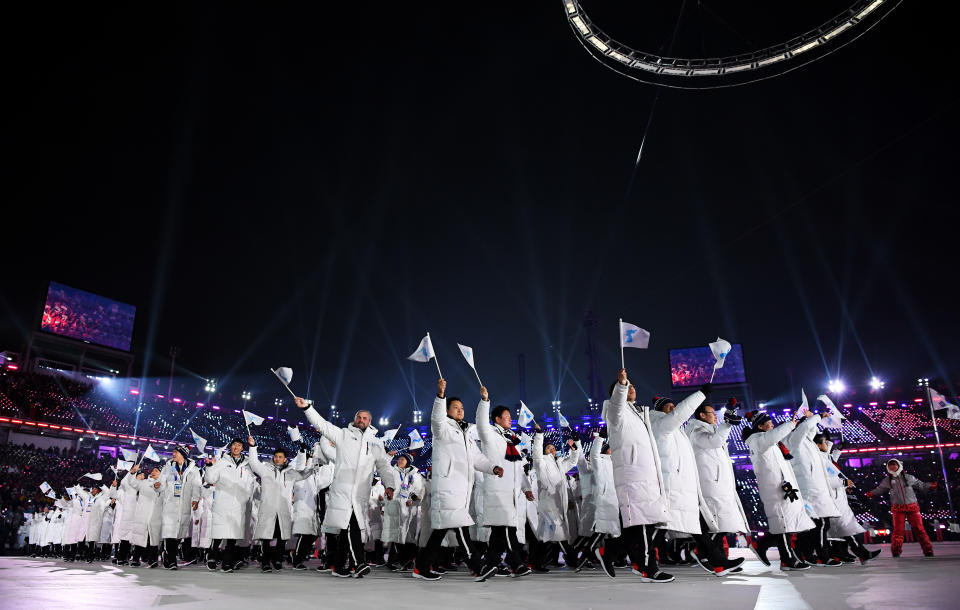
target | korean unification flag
[
  {"x": 284, "y": 374},
  {"x": 252, "y": 418},
  {"x": 96, "y": 476},
  {"x": 720, "y": 349},
  {"x": 526, "y": 415},
  {"x": 199, "y": 441},
  {"x": 525, "y": 440},
  {"x": 124, "y": 465},
  {"x": 150, "y": 454},
  {"x": 129, "y": 455},
  {"x": 632, "y": 335},
  {"x": 563, "y": 420},
  {"x": 416, "y": 441},
  {"x": 300, "y": 462},
  {"x": 218, "y": 453},
  {"x": 467, "y": 352},
  {"x": 294, "y": 433},
  {"x": 424, "y": 351},
  {"x": 835, "y": 419},
  {"x": 45, "y": 487},
  {"x": 51, "y": 494},
  {"x": 804, "y": 405},
  {"x": 71, "y": 491},
  {"x": 940, "y": 402}
]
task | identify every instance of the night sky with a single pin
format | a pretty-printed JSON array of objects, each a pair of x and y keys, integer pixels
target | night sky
[{"x": 282, "y": 185}]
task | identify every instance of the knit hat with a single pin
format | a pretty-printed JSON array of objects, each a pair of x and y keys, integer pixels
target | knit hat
[
  {"x": 183, "y": 451},
  {"x": 406, "y": 456},
  {"x": 757, "y": 418},
  {"x": 659, "y": 402}
]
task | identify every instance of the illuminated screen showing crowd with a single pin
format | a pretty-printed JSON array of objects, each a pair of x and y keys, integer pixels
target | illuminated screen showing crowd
[
  {"x": 88, "y": 317},
  {"x": 692, "y": 366}
]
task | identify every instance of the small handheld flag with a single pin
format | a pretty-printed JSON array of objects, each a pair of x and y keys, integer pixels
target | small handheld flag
[
  {"x": 425, "y": 352},
  {"x": 96, "y": 476},
  {"x": 45, "y": 487},
  {"x": 129, "y": 455},
  {"x": 252, "y": 418},
  {"x": 632, "y": 335},
  {"x": 720, "y": 349},
  {"x": 294, "y": 433},
  {"x": 150, "y": 454},
  {"x": 804, "y": 405},
  {"x": 467, "y": 352},
  {"x": 563, "y": 420},
  {"x": 416, "y": 441},
  {"x": 285, "y": 375},
  {"x": 199, "y": 441},
  {"x": 526, "y": 415},
  {"x": 835, "y": 419}
]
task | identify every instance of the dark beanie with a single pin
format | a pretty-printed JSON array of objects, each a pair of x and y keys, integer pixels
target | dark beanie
[{"x": 659, "y": 402}]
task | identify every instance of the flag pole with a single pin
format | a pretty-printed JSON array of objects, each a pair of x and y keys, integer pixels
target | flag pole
[
  {"x": 284, "y": 383},
  {"x": 623, "y": 363},
  {"x": 435, "y": 360},
  {"x": 712, "y": 374},
  {"x": 478, "y": 377},
  {"x": 943, "y": 465}
]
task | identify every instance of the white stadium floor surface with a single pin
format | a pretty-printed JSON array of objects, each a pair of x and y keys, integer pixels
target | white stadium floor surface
[{"x": 911, "y": 581}]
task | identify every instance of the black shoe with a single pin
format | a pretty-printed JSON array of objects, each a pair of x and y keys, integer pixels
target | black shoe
[
  {"x": 703, "y": 562},
  {"x": 846, "y": 558},
  {"x": 226, "y": 568},
  {"x": 539, "y": 569},
  {"x": 212, "y": 565},
  {"x": 761, "y": 553},
  {"x": 188, "y": 562},
  {"x": 362, "y": 570},
  {"x": 300, "y": 567},
  {"x": 928, "y": 554},
  {"x": 503, "y": 570},
  {"x": 266, "y": 568},
  {"x": 829, "y": 563},
  {"x": 439, "y": 570},
  {"x": 428, "y": 575},
  {"x": 277, "y": 566},
  {"x": 392, "y": 567},
  {"x": 171, "y": 566},
  {"x": 870, "y": 556},
  {"x": 606, "y": 566},
  {"x": 794, "y": 565},
  {"x": 324, "y": 567},
  {"x": 521, "y": 570},
  {"x": 656, "y": 577},
  {"x": 154, "y": 564},
  {"x": 486, "y": 572},
  {"x": 728, "y": 566},
  {"x": 342, "y": 573}
]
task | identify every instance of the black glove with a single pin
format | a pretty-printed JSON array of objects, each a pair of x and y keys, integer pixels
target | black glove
[
  {"x": 602, "y": 433},
  {"x": 732, "y": 418},
  {"x": 574, "y": 435},
  {"x": 707, "y": 389},
  {"x": 304, "y": 447}
]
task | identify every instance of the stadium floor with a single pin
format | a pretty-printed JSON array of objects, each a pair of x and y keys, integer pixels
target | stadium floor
[{"x": 911, "y": 581}]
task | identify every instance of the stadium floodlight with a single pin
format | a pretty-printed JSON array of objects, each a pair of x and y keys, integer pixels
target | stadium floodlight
[
  {"x": 246, "y": 396},
  {"x": 923, "y": 382},
  {"x": 835, "y": 386},
  {"x": 762, "y": 405},
  {"x": 876, "y": 383},
  {"x": 211, "y": 386},
  {"x": 384, "y": 421},
  {"x": 278, "y": 402}
]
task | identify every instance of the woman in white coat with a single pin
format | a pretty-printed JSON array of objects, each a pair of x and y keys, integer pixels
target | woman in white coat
[
  {"x": 777, "y": 485},
  {"x": 455, "y": 457},
  {"x": 233, "y": 483},
  {"x": 310, "y": 502},
  {"x": 145, "y": 530},
  {"x": 180, "y": 491},
  {"x": 808, "y": 465},
  {"x": 636, "y": 472},
  {"x": 553, "y": 498},
  {"x": 845, "y": 528},
  {"x": 504, "y": 498},
  {"x": 200, "y": 533},
  {"x": 359, "y": 453},
  {"x": 400, "y": 514},
  {"x": 123, "y": 519},
  {"x": 274, "y": 515}
]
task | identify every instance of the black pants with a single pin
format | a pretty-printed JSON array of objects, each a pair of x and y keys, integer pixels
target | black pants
[
  {"x": 641, "y": 542},
  {"x": 349, "y": 546},
  {"x": 533, "y": 544},
  {"x": 402, "y": 552},
  {"x": 427, "y": 557},
  {"x": 147, "y": 554},
  {"x": 304, "y": 548},
  {"x": 503, "y": 538},
  {"x": 275, "y": 554},
  {"x": 228, "y": 555},
  {"x": 710, "y": 545},
  {"x": 814, "y": 542},
  {"x": 123, "y": 551}
]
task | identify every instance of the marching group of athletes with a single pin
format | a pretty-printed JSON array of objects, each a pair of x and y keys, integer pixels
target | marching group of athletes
[{"x": 657, "y": 486}]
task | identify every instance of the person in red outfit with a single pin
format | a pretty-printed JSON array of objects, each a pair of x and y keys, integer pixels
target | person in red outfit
[{"x": 903, "y": 501}]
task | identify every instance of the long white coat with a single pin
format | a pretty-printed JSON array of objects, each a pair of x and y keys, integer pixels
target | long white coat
[
  {"x": 306, "y": 521},
  {"x": 772, "y": 470},
  {"x": 554, "y": 495},
  {"x": 504, "y": 502},
  {"x": 200, "y": 532},
  {"x": 94, "y": 507},
  {"x": 809, "y": 468},
  {"x": 588, "y": 506},
  {"x": 178, "y": 503},
  {"x": 636, "y": 461},
  {"x": 359, "y": 453},
  {"x": 455, "y": 457},
  {"x": 400, "y": 520},
  {"x": 846, "y": 524},
  {"x": 147, "y": 514},
  {"x": 678, "y": 465},
  {"x": 276, "y": 493},
  {"x": 606, "y": 519},
  {"x": 718, "y": 485},
  {"x": 533, "y": 512},
  {"x": 126, "y": 506},
  {"x": 233, "y": 483},
  {"x": 106, "y": 527}
]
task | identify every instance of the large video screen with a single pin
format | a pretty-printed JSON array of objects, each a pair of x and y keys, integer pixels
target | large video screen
[
  {"x": 692, "y": 366},
  {"x": 88, "y": 317}
]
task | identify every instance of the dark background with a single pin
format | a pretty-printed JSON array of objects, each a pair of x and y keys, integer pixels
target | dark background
[{"x": 317, "y": 186}]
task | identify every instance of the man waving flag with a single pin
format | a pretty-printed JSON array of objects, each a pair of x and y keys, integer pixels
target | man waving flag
[{"x": 632, "y": 335}]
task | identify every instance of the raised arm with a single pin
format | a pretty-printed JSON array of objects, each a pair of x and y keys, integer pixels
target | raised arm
[
  {"x": 672, "y": 421},
  {"x": 484, "y": 429},
  {"x": 438, "y": 415},
  {"x": 882, "y": 488},
  {"x": 254, "y": 459},
  {"x": 761, "y": 441},
  {"x": 328, "y": 451},
  {"x": 211, "y": 474},
  {"x": 596, "y": 450},
  {"x": 321, "y": 425},
  {"x": 710, "y": 439},
  {"x": 567, "y": 463},
  {"x": 615, "y": 406},
  {"x": 537, "y": 452}
]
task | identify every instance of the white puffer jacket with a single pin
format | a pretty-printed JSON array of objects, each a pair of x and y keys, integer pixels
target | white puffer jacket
[
  {"x": 718, "y": 485},
  {"x": 276, "y": 493},
  {"x": 678, "y": 465},
  {"x": 400, "y": 520},
  {"x": 179, "y": 490},
  {"x": 233, "y": 488},
  {"x": 554, "y": 497},
  {"x": 809, "y": 468},
  {"x": 772, "y": 470},
  {"x": 636, "y": 460},
  {"x": 504, "y": 500},
  {"x": 606, "y": 506},
  {"x": 846, "y": 524}
]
